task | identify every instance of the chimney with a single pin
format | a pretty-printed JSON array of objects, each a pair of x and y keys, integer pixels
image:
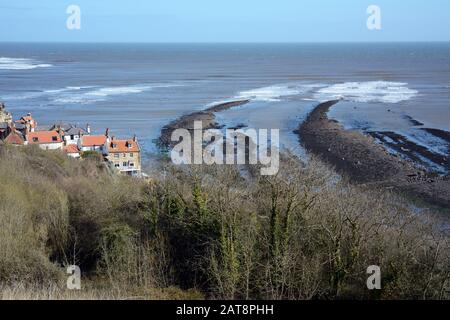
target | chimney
[
  {"x": 88, "y": 128},
  {"x": 107, "y": 132},
  {"x": 134, "y": 138}
]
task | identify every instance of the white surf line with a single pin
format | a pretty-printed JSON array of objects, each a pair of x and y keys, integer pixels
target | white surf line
[
  {"x": 7, "y": 63},
  {"x": 367, "y": 92}
]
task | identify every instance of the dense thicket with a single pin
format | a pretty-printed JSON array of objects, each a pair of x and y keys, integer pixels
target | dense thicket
[{"x": 213, "y": 232}]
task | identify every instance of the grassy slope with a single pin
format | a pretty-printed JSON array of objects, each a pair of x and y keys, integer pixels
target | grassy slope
[{"x": 207, "y": 232}]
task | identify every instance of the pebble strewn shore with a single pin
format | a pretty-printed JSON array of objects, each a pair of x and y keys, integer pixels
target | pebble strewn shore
[{"x": 363, "y": 161}]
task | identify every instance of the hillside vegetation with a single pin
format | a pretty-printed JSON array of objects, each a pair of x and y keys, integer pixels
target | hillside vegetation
[{"x": 208, "y": 232}]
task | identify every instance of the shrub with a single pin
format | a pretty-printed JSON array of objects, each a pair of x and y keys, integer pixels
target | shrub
[{"x": 211, "y": 232}]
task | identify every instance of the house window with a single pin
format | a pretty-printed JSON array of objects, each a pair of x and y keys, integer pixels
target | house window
[
  {"x": 131, "y": 164},
  {"x": 116, "y": 155},
  {"x": 124, "y": 164},
  {"x": 131, "y": 155},
  {"x": 124, "y": 155},
  {"x": 54, "y": 138},
  {"x": 35, "y": 139},
  {"x": 117, "y": 165},
  {"x": 72, "y": 137}
]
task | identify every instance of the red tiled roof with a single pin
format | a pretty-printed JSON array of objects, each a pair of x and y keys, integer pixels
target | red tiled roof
[
  {"x": 71, "y": 148},
  {"x": 91, "y": 141},
  {"x": 14, "y": 138},
  {"x": 123, "y": 146},
  {"x": 40, "y": 137}
]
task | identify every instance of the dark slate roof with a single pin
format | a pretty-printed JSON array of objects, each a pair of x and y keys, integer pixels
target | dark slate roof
[
  {"x": 20, "y": 126},
  {"x": 43, "y": 128},
  {"x": 74, "y": 131},
  {"x": 64, "y": 126}
]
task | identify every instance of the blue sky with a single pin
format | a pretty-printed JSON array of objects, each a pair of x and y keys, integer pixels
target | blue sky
[{"x": 224, "y": 20}]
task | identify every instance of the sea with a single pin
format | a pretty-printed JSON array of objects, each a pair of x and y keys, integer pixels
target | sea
[{"x": 138, "y": 88}]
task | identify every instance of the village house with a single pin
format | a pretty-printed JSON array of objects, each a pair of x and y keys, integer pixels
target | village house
[
  {"x": 5, "y": 122},
  {"x": 5, "y": 117},
  {"x": 26, "y": 124},
  {"x": 46, "y": 140},
  {"x": 74, "y": 134},
  {"x": 122, "y": 154},
  {"x": 14, "y": 137},
  {"x": 72, "y": 151},
  {"x": 93, "y": 143},
  {"x": 4, "y": 130},
  {"x": 125, "y": 155},
  {"x": 71, "y": 134}
]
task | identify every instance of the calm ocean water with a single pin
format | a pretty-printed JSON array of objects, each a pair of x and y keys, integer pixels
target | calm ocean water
[{"x": 137, "y": 88}]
